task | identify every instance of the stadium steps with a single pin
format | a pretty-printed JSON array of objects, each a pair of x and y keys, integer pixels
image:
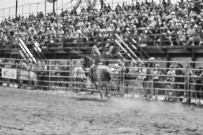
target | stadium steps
[
  {"x": 31, "y": 52},
  {"x": 138, "y": 49},
  {"x": 25, "y": 53},
  {"x": 126, "y": 51},
  {"x": 37, "y": 51}
]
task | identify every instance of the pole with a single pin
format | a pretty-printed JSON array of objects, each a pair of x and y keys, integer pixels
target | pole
[
  {"x": 9, "y": 11},
  {"x": 45, "y": 7},
  {"x": 62, "y": 6},
  {"x": 29, "y": 8},
  {"x": 3, "y": 13},
  {"x": 16, "y": 8},
  {"x": 22, "y": 9},
  {"x": 54, "y": 6},
  {"x": 57, "y": 6},
  {"x": 37, "y": 8},
  {"x": 71, "y": 5},
  {"x": 102, "y": 4}
]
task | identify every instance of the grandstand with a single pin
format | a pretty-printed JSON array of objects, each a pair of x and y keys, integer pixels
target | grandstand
[{"x": 137, "y": 30}]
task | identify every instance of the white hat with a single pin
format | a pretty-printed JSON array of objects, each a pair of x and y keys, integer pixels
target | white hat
[
  {"x": 157, "y": 65},
  {"x": 151, "y": 58},
  {"x": 116, "y": 65}
]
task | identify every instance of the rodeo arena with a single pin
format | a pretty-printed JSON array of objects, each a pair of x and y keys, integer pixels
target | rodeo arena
[{"x": 101, "y": 67}]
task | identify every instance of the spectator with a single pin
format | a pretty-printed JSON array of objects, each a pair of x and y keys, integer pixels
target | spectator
[
  {"x": 156, "y": 76},
  {"x": 179, "y": 80}
]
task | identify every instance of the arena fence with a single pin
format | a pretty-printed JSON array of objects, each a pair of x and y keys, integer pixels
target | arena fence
[{"x": 169, "y": 80}]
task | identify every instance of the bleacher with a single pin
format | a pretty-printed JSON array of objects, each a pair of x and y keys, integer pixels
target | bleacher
[{"x": 144, "y": 29}]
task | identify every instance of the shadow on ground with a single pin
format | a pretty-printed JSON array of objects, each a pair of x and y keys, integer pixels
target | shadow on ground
[{"x": 91, "y": 99}]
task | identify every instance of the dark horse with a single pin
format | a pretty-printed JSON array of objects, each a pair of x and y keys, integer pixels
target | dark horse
[{"x": 100, "y": 76}]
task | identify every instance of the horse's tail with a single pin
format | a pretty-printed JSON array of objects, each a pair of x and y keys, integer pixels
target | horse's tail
[
  {"x": 107, "y": 75},
  {"x": 93, "y": 75},
  {"x": 88, "y": 61}
]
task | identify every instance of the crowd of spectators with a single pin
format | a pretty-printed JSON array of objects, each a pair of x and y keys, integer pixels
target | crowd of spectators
[{"x": 150, "y": 23}]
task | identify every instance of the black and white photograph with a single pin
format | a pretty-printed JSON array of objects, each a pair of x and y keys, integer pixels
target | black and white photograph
[{"x": 101, "y": 67}]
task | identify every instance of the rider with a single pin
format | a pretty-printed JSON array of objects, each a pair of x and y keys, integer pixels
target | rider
[
  {"x": 96, "y": 56},
  {"x": 96, "y": 61}
]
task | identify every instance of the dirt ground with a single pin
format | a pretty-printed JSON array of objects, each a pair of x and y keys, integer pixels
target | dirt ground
[{"x": 66, "y": 113}]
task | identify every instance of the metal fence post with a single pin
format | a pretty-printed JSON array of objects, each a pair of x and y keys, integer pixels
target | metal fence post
[
  {"x": 188, "y": 89},
  {"x": 70, "y": 76},
  {"x": 121, "y": 82}
]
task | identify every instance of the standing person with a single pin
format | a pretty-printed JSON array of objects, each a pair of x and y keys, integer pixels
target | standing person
[
  {"x": 127, "y": 77},
  {"x": 147, "y": 81},
  {"x": 199, "y": 83},
  {"x": 55, "y": 75},
  {"x": 148, "y": 85},
  {"x": 170, "y": 83},
  {"x": 188, "y": 73},
  {"x": 79, "y": 76},
  {"x": 179, "y": 80},
  {"x": 43, "y": 78},
  {"x": 121, "y": 71},
  {"x": 156, "y": 84},
  {"x": 33, "y": 76},
  {"x": 38, "y": 70},
  {"x": 140, "y": 78},
  {"x": 29, "y": 69},
  {"x": 193, "y": 84}
]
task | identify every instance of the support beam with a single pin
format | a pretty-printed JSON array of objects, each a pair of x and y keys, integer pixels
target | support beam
[
  {"x": 54, "y": 6},
  {"x": 16, "y": 8},
  {"x": 128, "y": 48},
  {"x": 193, "y": 59},
  {"x": 102, "y": 4},
  {"x": 125, "y": 51},
  {"x": 45, "y": 7},
  {"x": 167, "y": 59}
]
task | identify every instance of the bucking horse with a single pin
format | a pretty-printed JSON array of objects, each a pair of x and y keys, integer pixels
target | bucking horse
[{"x": 100, "y": 76}]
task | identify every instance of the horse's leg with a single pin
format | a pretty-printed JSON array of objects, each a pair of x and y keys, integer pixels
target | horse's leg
[
  {"x": 107, "y": 90},
  {"x": 106, "y": 87},
  {"x": 151, "y": 90},
  {"x": 156, "y": 90},
  {"x": 99, "y": 88},
  {"x": 94, "y": 87}
]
